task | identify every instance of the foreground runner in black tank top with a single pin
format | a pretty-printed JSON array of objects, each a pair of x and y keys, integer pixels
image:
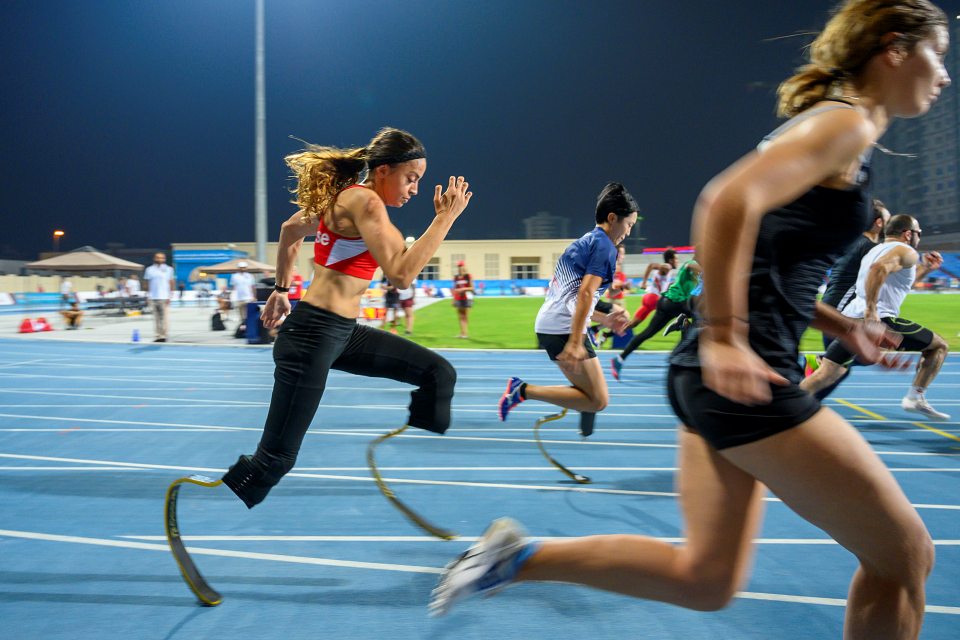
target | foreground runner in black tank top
[{"x": 766, "y": 230}]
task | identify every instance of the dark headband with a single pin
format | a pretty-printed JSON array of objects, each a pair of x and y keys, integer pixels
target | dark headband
[{"x": 415, "y": 154}]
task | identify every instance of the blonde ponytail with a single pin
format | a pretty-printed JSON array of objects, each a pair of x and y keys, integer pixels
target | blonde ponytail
[
  {"x": 322, "y": 173},
  {"x": 808, "y": 86},
  {"x": 852, "y": 37}
]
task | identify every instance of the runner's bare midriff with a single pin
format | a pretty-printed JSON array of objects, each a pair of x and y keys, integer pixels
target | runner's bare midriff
[{"x": 336, "y": 292}]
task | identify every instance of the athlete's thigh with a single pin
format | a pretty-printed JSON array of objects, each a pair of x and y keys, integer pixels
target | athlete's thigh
[
  {"x": 825, "y": 471},
  {"x": 380, "y": 354},
  {"x": 588, "y": 378},
  {"x": 722, "y": 507},
  {"x": 916, "y": 337}
]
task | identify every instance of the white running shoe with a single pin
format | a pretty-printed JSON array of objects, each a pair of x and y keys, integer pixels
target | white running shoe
[
  {"x": 486, "y": 567},
  {"x": 920, "y": 405}
]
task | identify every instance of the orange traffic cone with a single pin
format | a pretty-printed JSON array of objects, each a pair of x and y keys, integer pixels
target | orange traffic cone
[{"x": 26, "y": 326}]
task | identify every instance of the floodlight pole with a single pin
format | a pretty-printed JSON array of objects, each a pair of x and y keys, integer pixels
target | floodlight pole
[{"x": 260, "y": 195}]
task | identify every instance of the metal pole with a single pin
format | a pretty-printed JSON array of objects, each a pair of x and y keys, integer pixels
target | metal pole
[{"x": 261, "y": 158}]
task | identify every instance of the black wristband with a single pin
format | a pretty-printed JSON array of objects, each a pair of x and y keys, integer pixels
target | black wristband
[
  {"x": 277, "y": 287},
  {"x": 603, "y": 306}
]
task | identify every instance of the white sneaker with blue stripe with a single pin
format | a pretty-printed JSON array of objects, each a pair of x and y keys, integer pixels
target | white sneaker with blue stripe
[{"x": 485, "y": 568}]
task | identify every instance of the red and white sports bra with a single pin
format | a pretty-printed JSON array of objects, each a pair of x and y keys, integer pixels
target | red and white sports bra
[{"x": 343, "y": 253}]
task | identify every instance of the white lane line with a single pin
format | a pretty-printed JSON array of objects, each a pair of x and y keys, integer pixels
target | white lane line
[
  {"x": 492, "y": 392},
  {"x": 456, "y": 429},
  {"x": 136, "y": 465},
  {"x": 260, "y": 538},
  {"x": 5, "y": 468},
  {"x": 346, "y": 433},
  {"x": 136, "y": 422},
  {"x": 885, "y": 427},
  {"x": 456, "y": 355},
  {"x": 432, "y": 469},
  {"x": 830, "y": 602},
  {"x": 446, "y": 483},
  {"x": 128, "y": 379},
  {"x": 487, "y": 409},
  {"x": 111, "y": 396},
  {"x": 19, "y": 364},
  {"x": 245, "y": 357},
  {"x": 139, "y": 405},
  {"x": 377, "y": 566},
  {"x": 248, "y": 369},
  {"x": 328, "y": 562},
  {"x": 320, "y": 432},
  {"x": 107, "y": 430}
]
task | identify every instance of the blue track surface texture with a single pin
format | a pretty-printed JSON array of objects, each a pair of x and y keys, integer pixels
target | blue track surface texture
[{"x": 91, "y": 435}]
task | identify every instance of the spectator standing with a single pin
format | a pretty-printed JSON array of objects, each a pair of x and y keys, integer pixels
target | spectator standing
[
  {"x": 391, "y": 304},
  {"x": 463, "y": 297},
  {"x": 66, "y": 291},
  {"x": 132, "y": 286},
  {"x": 407, "y": 298},
  {"x": 160, "y": 284},
  {"x": 242, "y": 283}
]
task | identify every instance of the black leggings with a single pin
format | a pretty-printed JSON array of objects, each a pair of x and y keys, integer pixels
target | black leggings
[
  {"x": 311, "y": 342},
  {"x": 666, "y": 311}
]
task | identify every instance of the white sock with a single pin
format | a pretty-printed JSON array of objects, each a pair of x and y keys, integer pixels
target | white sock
[{"x": 915, "y": 393}]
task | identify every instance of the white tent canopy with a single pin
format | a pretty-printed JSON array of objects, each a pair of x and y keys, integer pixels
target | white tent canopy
[
  {"x": 84, "y": 260},
  {"x": 232, "y": 266}
]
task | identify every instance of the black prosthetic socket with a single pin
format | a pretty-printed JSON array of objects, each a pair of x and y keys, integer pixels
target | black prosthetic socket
[
  {"x": 430, "y": 402},
  {"x": 252, "y": 477},
  {"x": 587, "y": 419}
]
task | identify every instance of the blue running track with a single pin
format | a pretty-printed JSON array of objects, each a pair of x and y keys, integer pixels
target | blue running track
[{"x": 91, "y": 435}]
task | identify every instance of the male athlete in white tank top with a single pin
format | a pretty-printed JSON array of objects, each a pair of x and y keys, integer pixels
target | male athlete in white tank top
[{"x": 887, "y": 274}]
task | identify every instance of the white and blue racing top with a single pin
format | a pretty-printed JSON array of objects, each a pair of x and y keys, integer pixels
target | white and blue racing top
[{"x": 593, "y": 254}]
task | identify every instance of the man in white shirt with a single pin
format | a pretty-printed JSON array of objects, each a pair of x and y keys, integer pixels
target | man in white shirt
[
  {"x": 132, "y": 286},
  {"x": 242, "y": 284},
  {"x": 887, "y": 274},
  {"x": 159, "y": 277},
  {"x": 66, "y": 292}
]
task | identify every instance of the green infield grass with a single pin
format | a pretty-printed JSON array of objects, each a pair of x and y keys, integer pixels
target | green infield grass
[{"x": 507, "y": 323}]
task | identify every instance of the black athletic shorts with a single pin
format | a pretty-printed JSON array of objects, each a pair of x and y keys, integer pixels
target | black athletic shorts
[
  {"x": 915, "y": 338},
  {"x": 554, "y": 344},
  {"x": 603, "y": 306},
  {"x": 724, "y": 423}
]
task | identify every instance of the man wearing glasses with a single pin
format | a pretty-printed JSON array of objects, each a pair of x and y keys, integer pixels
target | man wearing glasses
[{"x": 887, "y": 273}]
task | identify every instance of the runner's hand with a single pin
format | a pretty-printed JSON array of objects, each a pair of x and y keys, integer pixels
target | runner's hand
[
  {"x": 276, "y": 309},
  {"x": 868, "y": 339},
  {"x": 617, "y": 320},
  {"x": 932, "y": 260},
  {"x": 733, "y": 370},
  {"x": 454, "y": 200},
  {"x": 572, "y": 357}
]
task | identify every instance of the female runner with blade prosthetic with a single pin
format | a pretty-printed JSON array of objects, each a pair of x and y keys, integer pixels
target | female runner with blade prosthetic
[{"x": 343, "y": 195}]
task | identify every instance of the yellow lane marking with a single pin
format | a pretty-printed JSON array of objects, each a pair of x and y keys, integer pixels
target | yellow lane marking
[{"x": 877, "y": 416}]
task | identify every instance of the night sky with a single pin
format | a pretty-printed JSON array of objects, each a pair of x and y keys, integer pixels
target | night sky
[{"x": 133, "y": 121}]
